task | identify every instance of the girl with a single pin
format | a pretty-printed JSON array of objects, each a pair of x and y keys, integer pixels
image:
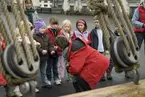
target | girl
[
  {"x": 67, "y": 28},
  {"x": 81, "y": 31},
  {"x": 66, "y": 31}
]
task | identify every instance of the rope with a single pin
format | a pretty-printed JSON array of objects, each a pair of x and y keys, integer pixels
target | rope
[
  {"x": 117, "y": 7},
  {"x": 3, "y": 31},
  {"x": 11, "y": 80},
  {"x": 119, "y": 26},
  {"x": 6, "y": 13},
  {"x": 28, "y": 30},
  {"x": 100, "y": 10},
  {"x": 22, "y": 33},
  {"x": 128, "y": 23}
]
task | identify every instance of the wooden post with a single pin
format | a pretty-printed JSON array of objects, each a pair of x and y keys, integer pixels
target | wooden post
[{"x": 123, "y": 90}]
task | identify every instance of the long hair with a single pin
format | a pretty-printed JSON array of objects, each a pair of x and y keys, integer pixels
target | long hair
[{"x": 83, "y": 22}]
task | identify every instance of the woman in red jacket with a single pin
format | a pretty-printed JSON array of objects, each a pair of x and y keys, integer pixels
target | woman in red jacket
[{"x": 85, "y": 63}]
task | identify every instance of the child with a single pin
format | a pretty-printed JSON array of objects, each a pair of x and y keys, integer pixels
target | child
[
  {"x": 98, "y": 43},
  {"x": 66, "y": 31},
  {"x": 29, "y": 11},
  {"x": 86, "y": 64},
  {"x": 67, "y": 28},
  {"x": 81, "y": 31},
  {"x": 53, "y": 32},
  {"x": 44, "y": 51}
]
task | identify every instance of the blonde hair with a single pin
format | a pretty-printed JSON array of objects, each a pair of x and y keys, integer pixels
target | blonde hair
[{"x": 67, "y": 22}]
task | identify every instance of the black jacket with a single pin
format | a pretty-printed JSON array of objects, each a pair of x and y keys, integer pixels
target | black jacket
[{"x": 94, "y": 39}]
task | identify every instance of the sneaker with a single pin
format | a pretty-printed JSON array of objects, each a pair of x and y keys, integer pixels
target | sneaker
[
  {"x": 109, "y": 77},
  {"x": 57, "y": 82},
  {"x": 36, "y": 90},
  {"x": 49, "y": 85},
  {"x": 17, "y": 92}
]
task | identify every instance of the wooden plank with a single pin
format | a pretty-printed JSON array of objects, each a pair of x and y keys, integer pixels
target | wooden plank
[{"x": 123, "y": 90}]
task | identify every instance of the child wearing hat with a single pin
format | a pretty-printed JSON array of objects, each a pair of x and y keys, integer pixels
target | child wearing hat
[{"x": 44, "y": 50}]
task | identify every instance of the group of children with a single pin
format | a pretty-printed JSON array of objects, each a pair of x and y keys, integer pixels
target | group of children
[
  {"x": 52, "y": 64},
  {"x": 53, "y": 59}
]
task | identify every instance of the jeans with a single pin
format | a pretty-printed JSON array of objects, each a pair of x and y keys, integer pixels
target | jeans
[
  {"x": 140, "y": 37},
  {"x": 43, "y": 65},
  {"x": 52, "y": 68}
]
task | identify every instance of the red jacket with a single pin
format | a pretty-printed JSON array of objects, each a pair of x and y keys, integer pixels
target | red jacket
[
  {"x": 3, "y": 44},
  {"x": 3, "y": 82},
  {"x": 88, "y": 63},
  {"x": 51, "y": 35},
  {"x": 141, "y": 19}
]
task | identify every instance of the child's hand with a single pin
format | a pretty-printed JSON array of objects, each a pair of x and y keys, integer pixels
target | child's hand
[
  {"x": 55, "y": 47},
  {"x": 44, "y": 52},
  {"x": 52, "y": 52}
]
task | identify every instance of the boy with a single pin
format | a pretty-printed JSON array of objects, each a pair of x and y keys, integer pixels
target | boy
[{"x": 53, "y": 32}]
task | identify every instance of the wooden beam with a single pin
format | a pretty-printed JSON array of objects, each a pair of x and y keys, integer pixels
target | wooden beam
[{"x": 123, "y": 90}]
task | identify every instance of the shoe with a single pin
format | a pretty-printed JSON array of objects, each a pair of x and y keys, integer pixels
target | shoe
[
  {"x": 103, "y": 78},
  {"x": 57, "y": 82},
  {"x": 109, "y": 77},
  {"x": 49, "y": 85},
  {"x": 127, "y": 75},
  {"x": 17, "y": 92},
  {"x": 36, "y": 90}
]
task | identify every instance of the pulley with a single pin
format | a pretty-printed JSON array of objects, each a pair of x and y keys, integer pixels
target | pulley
[
  {"x": 115, "y": 54},
  {"x": 18, "y": 70},
  {"x": 127, "y": 58},
  {"x": 119, "y": 53}
]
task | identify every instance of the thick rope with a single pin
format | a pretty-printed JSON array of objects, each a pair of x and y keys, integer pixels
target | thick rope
[
  {"x": 22, "y": 33},
  {"x": 119, "y": 26},
  {"x": 3, "y": 31},
  {"x": 6, "y": 13},
  {"x": 117, "y": 7},
  {"x": 11, "y": 80},
  {"x": 98, "y": 7},
  {"x": 128, "y": 23},
  {"x": 27, "y": 30},
  {"x": 100, "y": 15}
]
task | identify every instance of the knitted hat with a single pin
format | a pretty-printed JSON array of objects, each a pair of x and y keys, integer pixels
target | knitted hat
[
  {"x": 38, "y": 24},
  {"x": 62, "y": 42}
]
